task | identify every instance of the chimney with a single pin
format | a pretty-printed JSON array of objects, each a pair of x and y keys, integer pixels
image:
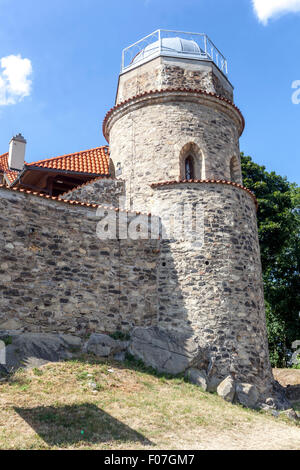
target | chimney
[{"x": 16, "y": 154}]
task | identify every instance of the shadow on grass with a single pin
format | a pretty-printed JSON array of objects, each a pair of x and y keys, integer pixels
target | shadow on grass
[{"x": 85, "y": 423}]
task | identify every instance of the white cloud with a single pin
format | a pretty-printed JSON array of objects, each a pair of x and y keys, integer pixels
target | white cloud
[
  {"x": 15, "y": 82},
  {"x": 266, "y": 9}
]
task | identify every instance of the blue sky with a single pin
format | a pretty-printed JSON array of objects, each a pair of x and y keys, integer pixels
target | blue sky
[{"x": 59, "y": 95}]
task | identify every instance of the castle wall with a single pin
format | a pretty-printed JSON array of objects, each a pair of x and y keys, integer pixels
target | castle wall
[
  {"x": 57, "y": 276},
  {"x": 168, "y": 72},
  {"x": 213, "y": 286},
  {"x": 106, "y": 192},
  {"x": 148, "y": 141}
]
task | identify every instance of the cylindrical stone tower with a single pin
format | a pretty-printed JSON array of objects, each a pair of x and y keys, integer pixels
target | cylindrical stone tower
[{"x": 174, "y": 139}]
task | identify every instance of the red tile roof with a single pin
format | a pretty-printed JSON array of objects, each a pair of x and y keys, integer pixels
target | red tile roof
[
  {"x": 230, "y": 183},
  {"x": 152, "y": 93},
  {"x": 94, "y": 161},
  {"x": 3, "y": 162},
  {"x": 72, "y": 203},
  {"x": 10, "y": 175}
]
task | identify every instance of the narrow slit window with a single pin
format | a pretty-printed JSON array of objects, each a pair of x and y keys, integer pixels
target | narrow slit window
[
  {"x": 189, "y": 168},
  {"x": 234, "y": 170}
]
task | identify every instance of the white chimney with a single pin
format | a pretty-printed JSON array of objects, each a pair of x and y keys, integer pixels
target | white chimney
[{"x": 16, "y": 154}]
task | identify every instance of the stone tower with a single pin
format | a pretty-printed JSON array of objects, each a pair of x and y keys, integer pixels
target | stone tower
[{"x": 174, "y": 139}]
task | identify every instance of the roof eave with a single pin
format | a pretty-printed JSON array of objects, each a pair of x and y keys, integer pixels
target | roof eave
[{"x": 63, "y": 172}]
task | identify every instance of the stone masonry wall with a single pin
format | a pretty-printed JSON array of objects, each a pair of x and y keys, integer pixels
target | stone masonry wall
[
  {"x": 106, "y": 192},
  {"x": 148, "y": 142},
  {"x": 165, "y": 72},
  {"x": 57, "y": 276},
  {"x": 214, "y": 289}
]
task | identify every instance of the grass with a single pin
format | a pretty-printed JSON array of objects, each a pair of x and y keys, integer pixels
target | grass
[{"x": 91, "y": 404}]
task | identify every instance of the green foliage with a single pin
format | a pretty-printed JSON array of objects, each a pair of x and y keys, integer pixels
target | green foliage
[
  {"x": 279, "y": 229},
  {"x": 7, "y": 340},
  {"x": 119, "y": 335}
]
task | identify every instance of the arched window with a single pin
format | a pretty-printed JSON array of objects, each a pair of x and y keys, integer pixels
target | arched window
[
  {"x": 191, "y": 162},
  {"x": 189, "y": 168}
]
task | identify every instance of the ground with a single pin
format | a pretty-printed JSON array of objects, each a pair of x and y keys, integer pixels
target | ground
[
  {"x": 89, "y": 404},
  {"x": 287, "y": 376}
]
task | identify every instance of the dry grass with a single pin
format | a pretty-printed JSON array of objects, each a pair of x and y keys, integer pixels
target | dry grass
[{"x": 56, "y": 407}]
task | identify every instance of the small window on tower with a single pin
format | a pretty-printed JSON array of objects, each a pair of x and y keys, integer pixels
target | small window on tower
[
  {"x": 189, "y": 168},
  {"x": 234, "y": 170}
]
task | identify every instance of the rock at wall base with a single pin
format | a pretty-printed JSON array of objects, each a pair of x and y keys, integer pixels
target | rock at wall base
[
  {"x": 34, "y": 349},
  {"x": 226, "y": 389},
  {"x": 103, "y": 345},
  {"x": 165, "y": 351},
  {"x": 246, "y": 395},
  {"x": 197, "y": 377},
  {"x": 213, "y": 383}
]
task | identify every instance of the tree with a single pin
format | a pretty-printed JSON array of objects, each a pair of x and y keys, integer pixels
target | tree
[{"x": 279, "y": 230}]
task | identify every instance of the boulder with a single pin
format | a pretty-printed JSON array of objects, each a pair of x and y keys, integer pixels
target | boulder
[
  {"x": 247, "y": 395},
  {"x": 35, "y": 349},
  {"x": 226, "y": 389},
  {"x": 165, "y": 351},
  {"x": 213, "y": 383},
  {"x": 103, "y": 345},
  {"x": 71, "y": 341},
  {"x": 197, "y": 377}
]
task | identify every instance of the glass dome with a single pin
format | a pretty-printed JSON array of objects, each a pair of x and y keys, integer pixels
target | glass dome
[{"x": 170, "y": 46}]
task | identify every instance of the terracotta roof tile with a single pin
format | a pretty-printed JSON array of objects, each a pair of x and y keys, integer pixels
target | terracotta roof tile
[
  {"x": 164, "y": 91},
  {"x": 93, "y": 161},
  {"x": 75, "y": 203},
  {"x": 3, "y": 162},
  {"x": 230, "y": 183},
  {"x": 11, "y": 175}
]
